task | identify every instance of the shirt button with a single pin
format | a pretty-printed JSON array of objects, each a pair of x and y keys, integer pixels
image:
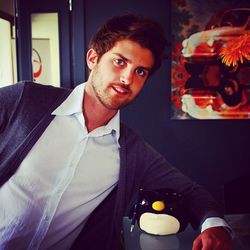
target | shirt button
[{"x": 46, "y": 218}]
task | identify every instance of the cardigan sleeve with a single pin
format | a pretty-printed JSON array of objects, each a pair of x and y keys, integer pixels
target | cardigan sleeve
[
  {"x": 146, "y": 168},
  {"x": 160, "y": 174}
]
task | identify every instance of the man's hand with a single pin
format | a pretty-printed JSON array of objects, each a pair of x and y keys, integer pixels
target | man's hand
[{"x": 214, "y": 238}]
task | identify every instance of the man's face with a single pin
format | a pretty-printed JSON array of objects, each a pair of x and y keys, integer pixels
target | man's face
[{"x": 120, "y": 74}]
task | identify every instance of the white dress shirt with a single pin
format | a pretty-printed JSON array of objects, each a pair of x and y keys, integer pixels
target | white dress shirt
[{"x": 64, "y": 177}]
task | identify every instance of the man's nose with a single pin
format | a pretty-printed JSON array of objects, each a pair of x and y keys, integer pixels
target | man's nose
[{"x": 126, "y": 77}]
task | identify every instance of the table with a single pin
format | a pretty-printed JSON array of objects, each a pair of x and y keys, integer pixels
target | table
[{"x": 139, "y": 240}]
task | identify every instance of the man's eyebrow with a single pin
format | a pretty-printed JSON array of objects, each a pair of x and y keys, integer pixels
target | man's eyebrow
[
  {"x": 129, "y": 61},
  {"x": 123, "y": 57}
]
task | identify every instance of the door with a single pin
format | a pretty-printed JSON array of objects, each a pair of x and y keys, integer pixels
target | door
[{"x": 43, "y": 36}]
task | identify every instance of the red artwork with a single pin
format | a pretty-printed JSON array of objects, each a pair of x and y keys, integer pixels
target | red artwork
[
  {"x": 36, "y": 63},
  {"x": 210, "y": 60}
]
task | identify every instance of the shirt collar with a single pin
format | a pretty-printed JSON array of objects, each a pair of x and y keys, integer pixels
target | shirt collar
[
  {"x": 73, "y": 106},
  {"x": 73, "y": 103}
]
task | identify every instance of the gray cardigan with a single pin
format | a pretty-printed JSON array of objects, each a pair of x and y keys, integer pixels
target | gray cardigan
[{"x": 25, "y": 112}]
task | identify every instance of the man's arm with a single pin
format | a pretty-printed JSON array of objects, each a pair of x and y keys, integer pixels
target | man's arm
[
  {"x": 200, "y": 204},
  {"x": 158, "y": 174}
]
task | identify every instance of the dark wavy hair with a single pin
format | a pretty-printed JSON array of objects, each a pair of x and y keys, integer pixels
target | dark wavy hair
[{"x": 143, "y": 30}]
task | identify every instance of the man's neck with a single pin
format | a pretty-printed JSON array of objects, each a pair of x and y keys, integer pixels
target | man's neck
[{"x": 95, "y": 114}]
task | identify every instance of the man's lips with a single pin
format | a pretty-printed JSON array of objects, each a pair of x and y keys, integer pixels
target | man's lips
[{"x": 121, "y": 90}]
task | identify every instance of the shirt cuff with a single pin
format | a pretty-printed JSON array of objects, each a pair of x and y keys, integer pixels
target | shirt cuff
[{"x": 216, "y": 222}]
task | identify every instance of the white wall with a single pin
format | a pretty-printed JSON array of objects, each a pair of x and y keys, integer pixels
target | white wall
[{"x": 6, "y": 70}]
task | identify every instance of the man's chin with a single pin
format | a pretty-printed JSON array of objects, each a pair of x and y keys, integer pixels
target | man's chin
[{"x": 116, "y": 105}]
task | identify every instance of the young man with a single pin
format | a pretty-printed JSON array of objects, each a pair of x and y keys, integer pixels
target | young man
[{"x": 69, "y": 168}]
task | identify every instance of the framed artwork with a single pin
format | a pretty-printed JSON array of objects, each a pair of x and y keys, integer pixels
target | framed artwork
[
  {"x": 210, "y": 76},
  {"x": 41, "y": 60}
]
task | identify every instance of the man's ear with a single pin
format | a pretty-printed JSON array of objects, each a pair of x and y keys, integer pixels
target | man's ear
[{"x": 91, "y": 58}]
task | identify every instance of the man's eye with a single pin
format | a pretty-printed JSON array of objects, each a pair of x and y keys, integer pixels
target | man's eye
[
  {"x": 141, "y": 72},
  {"x": 119, "y": 62}
]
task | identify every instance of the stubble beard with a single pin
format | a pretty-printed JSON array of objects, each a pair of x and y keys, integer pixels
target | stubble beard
[{"x": 102, "y": 94}]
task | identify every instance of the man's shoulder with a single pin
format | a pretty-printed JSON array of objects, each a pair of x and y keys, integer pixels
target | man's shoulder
[
  {"x": 32, "y": 95},
  {"x": 41, "y": 88},
  {"x": 43, "y": 96},
  {"x": 126, "y": 130},
  {"x": 47, "y": 93},
  {"x": 130, "y": 135},
  {"x": 22, "y": 87},
  {"x": 135, "y": 141}
]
